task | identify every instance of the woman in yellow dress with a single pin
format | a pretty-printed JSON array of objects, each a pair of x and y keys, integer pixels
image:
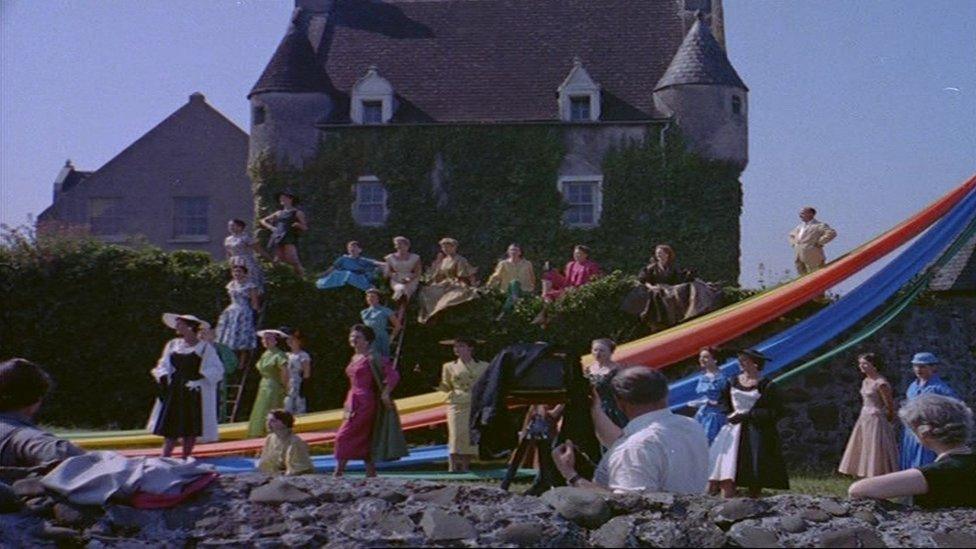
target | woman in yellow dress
[
  {"x": 273, "y": 368},
  {"x": 451, "y": 282},
  {"x": 513, "y": 275},
  {"x": 457, "y": 378}
]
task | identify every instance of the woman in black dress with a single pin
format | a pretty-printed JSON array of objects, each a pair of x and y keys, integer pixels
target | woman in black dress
[
  {"x": 186, "y": 375},
  {"x": 668, "y": 295},
  {"x": 285, "y": 226}
]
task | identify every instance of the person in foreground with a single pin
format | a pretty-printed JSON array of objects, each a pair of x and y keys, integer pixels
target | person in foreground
[
  {"x": 943, "y": 425},
  {"x": 927, "y": 382},
  {"x": 23, "y": 446},
  {"x": 657, "y": 451},
  {"x": 283, "y": 451}
]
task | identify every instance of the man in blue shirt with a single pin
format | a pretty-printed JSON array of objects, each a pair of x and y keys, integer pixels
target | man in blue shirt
[{"x": 927, "y": 381}]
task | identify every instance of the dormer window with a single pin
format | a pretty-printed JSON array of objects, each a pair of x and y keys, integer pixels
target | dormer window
[
  {"x": 372, "y": 99},
  {"x": 579, "y": 96}
]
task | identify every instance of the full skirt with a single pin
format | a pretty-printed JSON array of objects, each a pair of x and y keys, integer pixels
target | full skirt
[
  {"x": 671, "y": 304},
  {"x": 235, "y": 328},
  {"x": 872, "y": 449},
  {"x": 338, "y": 279},
  {"x": 270, "y": 395},
  {"x": 711, "y": 420},
  {"x": 438, "y": 297}
]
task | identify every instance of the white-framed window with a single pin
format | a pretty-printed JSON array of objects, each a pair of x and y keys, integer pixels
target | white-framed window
[
  {"x": 579, "y": 96},
  {"x": 369, "y": 207},
  {"x": 583, "y": 196},
  {"x": 372, "y": 99},
  {"x": 105, "y": 216},
  {"x": 190, "y": 217}
]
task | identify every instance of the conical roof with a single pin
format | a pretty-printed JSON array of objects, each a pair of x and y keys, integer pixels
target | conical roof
[
  {"x": 700, "y": 60},
  {"x": 293, "y": 67}
]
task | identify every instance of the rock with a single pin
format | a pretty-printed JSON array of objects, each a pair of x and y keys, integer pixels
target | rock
[
  {"x": 738, "y": 509},
  {"x": 30, "y": 487},
  {"x": 274, "y": 530},
  {"x": 391, "y": 496},
  {"x": 370, "y": 509},
  {"x": 851, "y": 537},
  {"x": 615, "y": 533},
  {"x": 521, "y": 534},
  {"x": 297, "y": 540},
  {"x": 395, "y": 525},
  {"x": 832, "y": 507},
  {"x": 441, "y": 526},
  {"x": 792, "y": 524},
  {"x": 126, "y": 519},
  {"x": 66, "y": 514},
  {"x": 815, "y": 515},
  {"x": 751, "y": 536},
  {"x": 866, "y": 516},
  {"x": 584, "y": 507},
  {"x": 954, "y": 539},
  {"x": 58, "y": 533},
  {"x": 626, "y": 503},
  {"x": 41, "y": 506},
  {"x": 9, "y": 502},
  {"x": 443, "y": 496},
  {"x": 277, "y": 491}
]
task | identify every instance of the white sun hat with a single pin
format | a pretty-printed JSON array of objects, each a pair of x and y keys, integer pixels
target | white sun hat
[{"x": 170, "y": 319}]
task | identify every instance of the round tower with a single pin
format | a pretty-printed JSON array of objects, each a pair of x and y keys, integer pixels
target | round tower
[{"x": 706, "y": 98}]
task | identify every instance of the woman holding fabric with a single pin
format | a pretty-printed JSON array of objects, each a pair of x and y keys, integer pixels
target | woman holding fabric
[
  {"x": 746, "y": 451},
  {"x": 286, "y": 225},
  {"x": 457, "y": 378},
  {"x": 273, "y": 369},
  {"x": 370, "y": 429},
  {"x": 669, "y": 295},
  {"x": 451, "y": 282},
  {"x": 709, "y": 390},
  {"x": 872, "y": 449},
  {"x": 187, "y": 375},
  {"x": 599, "y": 374}
]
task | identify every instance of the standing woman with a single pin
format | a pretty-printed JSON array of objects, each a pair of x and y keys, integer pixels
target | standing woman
[
  {"x": 709, "y": 390},
  {"x": 187, "y": 375},
  {"x": 604, "y": 405},
  {"x": 371, "y": 382},
  {"x": 513, "y": 275},
  {"x": 403, "y": 268},
  {"x": 746, "y": 451},
  {"x": 241, "y": 248},
  {"x": 235, "y": 328},
  {"x": 273, "y": 369},
  {"x": 379, "y": 317},
  {"x": 457, "y": 377},
  {"x": 927, "y": 382},
  {"x": 299, "y": 370},
  {"x": 285, "y": 226},
  {"x": 872, "y": 449}
]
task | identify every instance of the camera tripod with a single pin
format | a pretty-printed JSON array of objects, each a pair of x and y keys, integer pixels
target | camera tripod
[{"x": 536, "y": 435}]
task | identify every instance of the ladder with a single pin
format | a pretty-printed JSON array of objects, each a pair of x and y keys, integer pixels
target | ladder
[{"x": 238, "y": 388}]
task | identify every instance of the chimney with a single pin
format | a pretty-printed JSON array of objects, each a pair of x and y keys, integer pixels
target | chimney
[{"x": 197, "y": 97}]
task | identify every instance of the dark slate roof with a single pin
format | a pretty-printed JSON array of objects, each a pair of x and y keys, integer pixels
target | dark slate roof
[
  {"x": 700, "y": 60},
  {"x": 959, "y": 274},
  {"x": 293, "y": 67},
  {"x": 500, "y": 60}
]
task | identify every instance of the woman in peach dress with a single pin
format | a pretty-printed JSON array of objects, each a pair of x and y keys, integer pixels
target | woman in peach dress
[{"x": 873, "y": 447}]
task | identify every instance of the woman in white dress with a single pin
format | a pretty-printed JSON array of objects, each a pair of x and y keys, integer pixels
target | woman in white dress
[
  {"x": 241, "y": 249},
  {"x": 187, "y": 375},
  {"x": 403, "y": 268},
  {"x": 236, "y": 326},
  {"x": 746, "y": 450},
  {"x": 299, "y": 370}
]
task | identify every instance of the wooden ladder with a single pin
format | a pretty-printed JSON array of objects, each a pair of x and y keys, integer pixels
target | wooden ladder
[{"x": 245, "y": 368}]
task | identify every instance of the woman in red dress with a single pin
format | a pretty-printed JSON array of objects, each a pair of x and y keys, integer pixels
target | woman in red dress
[{"x": 353, "y": 441}]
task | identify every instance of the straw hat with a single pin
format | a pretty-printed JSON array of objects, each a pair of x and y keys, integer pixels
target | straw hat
[
  {"x": 170, "y": 319},
  {"x": 925, "y": 358},
  {"x": 273, "y": 331}
]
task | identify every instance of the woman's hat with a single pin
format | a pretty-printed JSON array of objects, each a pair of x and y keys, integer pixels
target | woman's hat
[
  {"x": 170, "y": 319},
  {"x": 448, "y": 240},
  {"x": 287, "y": 192},
  {"x": 275, "y": 332},
  {"x": 754, "y": 354},
  {"x": 925, "y": 358},
  {"x": 461, "y": 339}
]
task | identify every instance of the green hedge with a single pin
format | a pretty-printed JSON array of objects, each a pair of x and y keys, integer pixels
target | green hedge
[{"x": 90, "y": 313}]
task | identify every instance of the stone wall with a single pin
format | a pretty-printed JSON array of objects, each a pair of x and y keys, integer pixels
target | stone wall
[{"x": 824, "y": 403}]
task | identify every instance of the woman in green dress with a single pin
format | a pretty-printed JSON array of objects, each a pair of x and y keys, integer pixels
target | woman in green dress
[{"x": 273, "y": 368}]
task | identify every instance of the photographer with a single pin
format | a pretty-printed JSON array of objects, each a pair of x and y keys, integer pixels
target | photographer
[{"x": 657, "y": 451}]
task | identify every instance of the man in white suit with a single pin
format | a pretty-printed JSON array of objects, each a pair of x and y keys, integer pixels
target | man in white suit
[{"x": 808, "y": 239}]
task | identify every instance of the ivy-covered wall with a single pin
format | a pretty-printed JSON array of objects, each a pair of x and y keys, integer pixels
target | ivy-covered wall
[{"x": 488, "y": 186}]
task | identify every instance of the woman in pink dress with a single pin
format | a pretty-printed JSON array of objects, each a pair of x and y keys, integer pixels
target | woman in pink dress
[
  {"x": 873, "y": 447},
  {"x": 353, "y": 441},
  {"x": 578, "y": 272}
]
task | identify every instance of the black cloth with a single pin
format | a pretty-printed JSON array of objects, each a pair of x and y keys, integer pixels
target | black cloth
[
  {"x": 181, "y": 414},
  {"x": 652, "y": 273},
  {"x": 657, "y": 305},
  {"x": 283, "y": 232},
  {"x": 951, "y": 480},
  {"x": 760, "y": 460}
]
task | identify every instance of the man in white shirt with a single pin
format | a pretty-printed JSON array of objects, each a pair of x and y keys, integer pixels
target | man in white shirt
[
  {"x": 808, "y": 239},
  {"x": 657, "y": 451}
]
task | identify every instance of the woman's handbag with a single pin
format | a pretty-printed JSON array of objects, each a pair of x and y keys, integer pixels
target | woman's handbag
[{"x": 388, "y": 441}]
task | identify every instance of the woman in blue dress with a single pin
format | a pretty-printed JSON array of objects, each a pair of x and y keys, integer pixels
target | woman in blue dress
[
  {"x": 379, "y": 317},
  {"x": 710, "y": 386},
  {"x": 927, "y": 381},
  {"x": 351, "y": 269}
]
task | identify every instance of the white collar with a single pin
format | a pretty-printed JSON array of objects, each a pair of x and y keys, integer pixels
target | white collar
[{"x": 644, "y": 420}]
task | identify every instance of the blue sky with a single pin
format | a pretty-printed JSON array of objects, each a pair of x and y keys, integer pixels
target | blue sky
[{"x": 865, "y": 109}]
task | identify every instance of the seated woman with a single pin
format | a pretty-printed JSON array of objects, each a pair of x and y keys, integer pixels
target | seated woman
[
  {"x": 578, "y": 272},
  {"x": 283, "y": 451},
  {"x": 943, "y": 425},
  {"x": 352, "y": 269},
  {"x": 403, "y": 268},
  {"x": 451, "y": 282},
  {"x": 668, "y": 295},
  {"x": 513, "y": 275}
]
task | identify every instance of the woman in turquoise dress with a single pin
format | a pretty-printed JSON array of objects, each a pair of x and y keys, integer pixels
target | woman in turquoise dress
[
  {"x": 379, "y": 317},
  {"x": 273, "y": 369},
  {"x": 710, "y": 386},
  {"x": 352, "y": 269}
]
